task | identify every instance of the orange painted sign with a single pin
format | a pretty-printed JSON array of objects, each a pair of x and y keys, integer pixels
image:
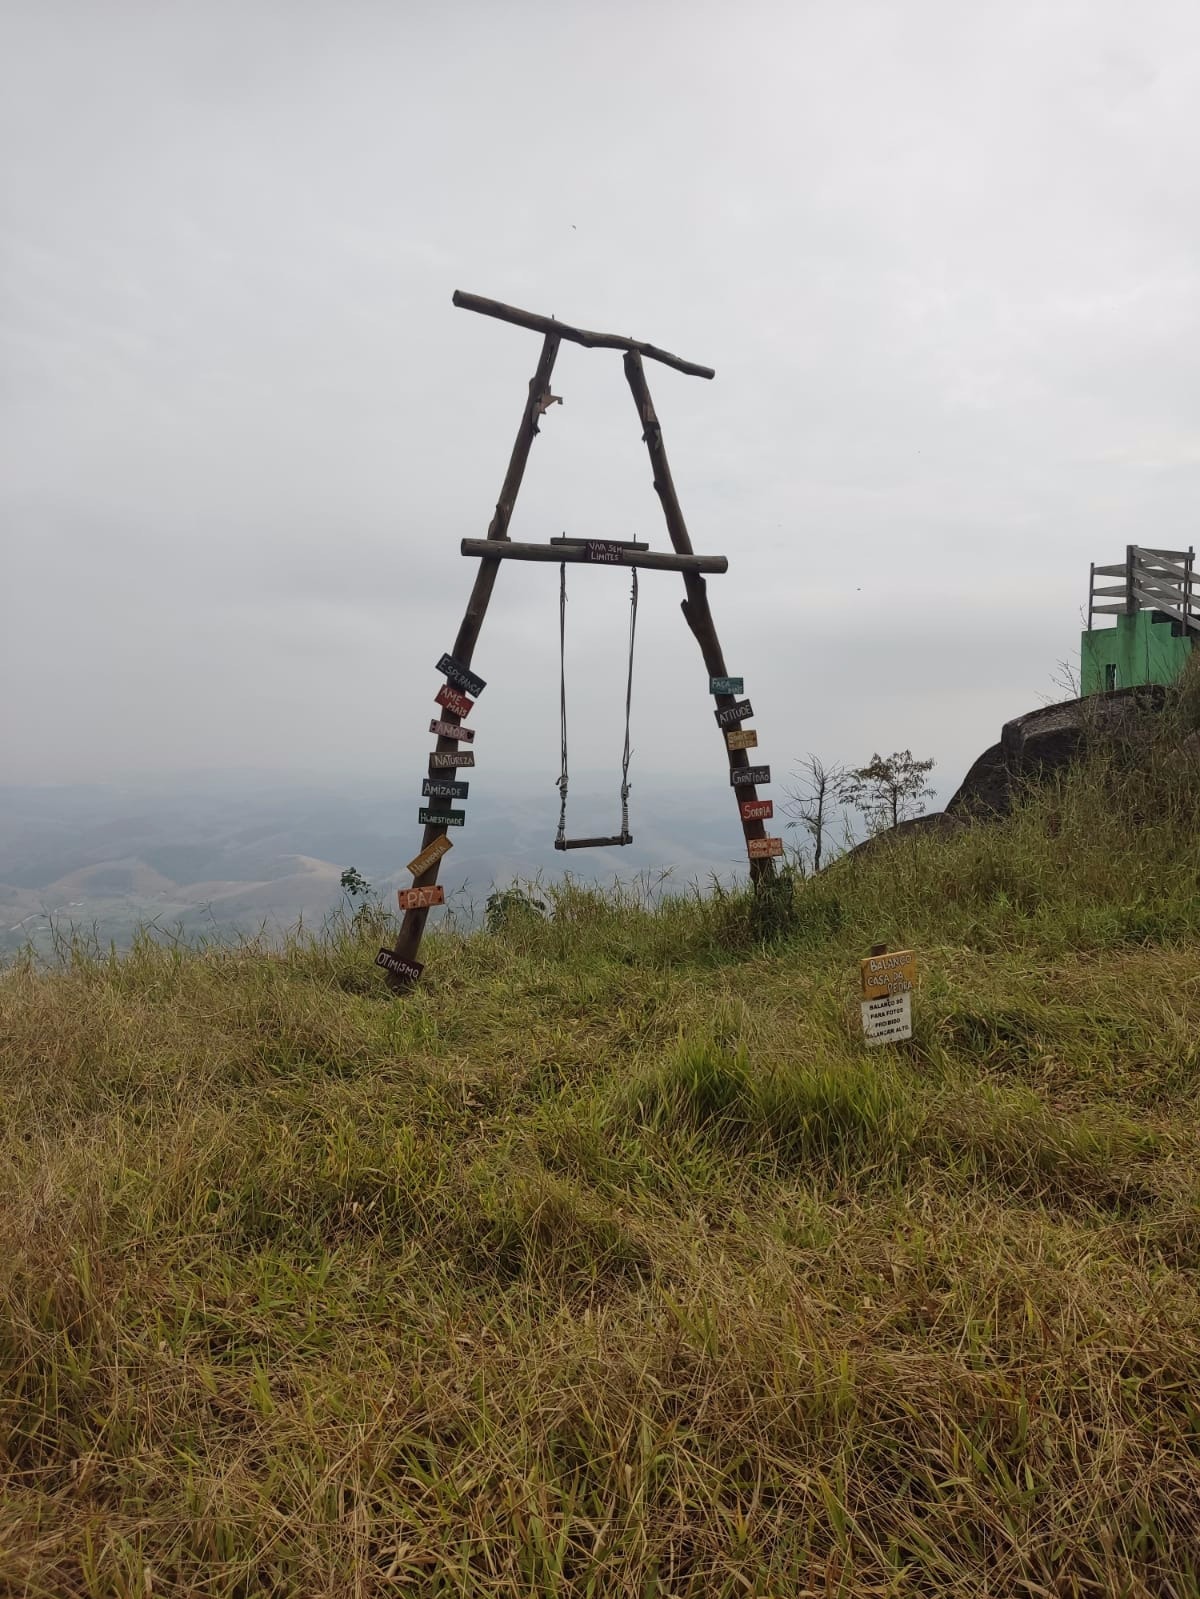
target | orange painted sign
[
  {"x": 894, "y": 973},
  {"x": 416, "y": 899},
  {"x": 760, "y": 849}
]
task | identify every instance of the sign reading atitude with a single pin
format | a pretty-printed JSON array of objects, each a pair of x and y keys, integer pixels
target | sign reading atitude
[
  {"x": 742, "y": 738},
  {"x": 889, "y": 974},
  {"x": 726, "y": 685},
  {"x": 598, "y": 550},
  {"x": 430, "y": 856},
  {"x": 443, "y": 818},
  {"x": 461, "y": 676},
  {"x": 398, "y": 966},
  {"x": 453, "y": 730},
  {"x": 761, "y": 849},
  {"x": 729, "y": 715},
  {"x": 441, "y": 759},
  {"x": 453, "y": 700},
  {"x": 436, "y": 788},
  {"x": 756, "y": 810},
  {"x": 749, "y": 776},
  {"x": 418, "y": 899}
]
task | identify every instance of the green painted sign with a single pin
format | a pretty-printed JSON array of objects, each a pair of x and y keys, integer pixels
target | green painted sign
[{"x": 726, "y": 685}]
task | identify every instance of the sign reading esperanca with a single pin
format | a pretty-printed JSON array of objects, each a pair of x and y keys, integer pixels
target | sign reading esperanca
[{"x": 461, "y": 676}]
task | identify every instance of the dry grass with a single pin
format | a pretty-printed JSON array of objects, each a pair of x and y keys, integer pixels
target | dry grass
[{"x": 610, "y": 1263}]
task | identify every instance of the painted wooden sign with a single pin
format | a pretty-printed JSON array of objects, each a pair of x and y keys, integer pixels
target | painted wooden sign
[
  {"x": 452, "y": 730},
  {"x": 749, "y": 776},
  {"x": 461, "y": 676},
  {"x": 598, "y": 550},
  {"x": 444, "y": 758},
  {"x": 756, "y": 810},
  {"x": 417, "y": 899},
  {"x": 453, "y": 700},
  {"x": 726, "y": 685},
  {"x": 443, "y": 788},
  {"x": 430, "y": 856},
  {"x": 398, "y": 966},
  {"x": 761, "y": 849},
  {"x": 442, "y": 818},
  {"x": 729, "y": 715},
  {"x": 887, "y": 1020},
  {"x": 894, "y": 973},
  {"x": 742, "y": 738}
]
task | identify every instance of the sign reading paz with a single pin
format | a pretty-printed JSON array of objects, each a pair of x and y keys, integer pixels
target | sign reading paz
[
  {"x": 444, "y": 758},
  {"x": 398, "y": 966},
  {"x": 442, "y": 818},
  {"x": 452, "y": 730},
  {"x": 461, "y": 676},
  {"x": 749, "y": 776},
  {"x": 430, "y": 856},
  {"x": 453, "y": 700},
  {"x": 418, "y": 899},
  {"x": 742, "y": 738},
  {"x": 760, "y": 849},
  {"x": 730, "y": 715},
  {"x": 726, "y": 685}
]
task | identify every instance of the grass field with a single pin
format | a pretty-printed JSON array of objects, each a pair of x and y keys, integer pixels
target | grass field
[{"x": 610, "y": 1262}]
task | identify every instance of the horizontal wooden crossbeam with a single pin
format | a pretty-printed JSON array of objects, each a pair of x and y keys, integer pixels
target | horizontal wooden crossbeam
[
  {"x": 626, "y": 544},
  {"x": 564, "y": 330},
  {"x": 650, "y": 560}
]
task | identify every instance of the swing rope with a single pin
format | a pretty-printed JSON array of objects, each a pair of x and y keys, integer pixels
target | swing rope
[{"x": 560, "y": 841}]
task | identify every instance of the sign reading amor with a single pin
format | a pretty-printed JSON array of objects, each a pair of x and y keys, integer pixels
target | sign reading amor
[
  {"x": 888, "y": 974},
  {"x": 453, "y": 730},
  {"x": 418, "y": 899},
  {"x": 461, "y": 676},
  {"x": 756, "y": 810},
  {"x": 730, "y": 715},
  {"x": 430, "y": 856}
]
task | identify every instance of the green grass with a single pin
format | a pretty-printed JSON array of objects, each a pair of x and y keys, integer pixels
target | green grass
[{"x": 610, "y": 1262}]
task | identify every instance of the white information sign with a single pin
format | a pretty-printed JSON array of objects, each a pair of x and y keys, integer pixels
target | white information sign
[{"x": 888, "y": 1019}]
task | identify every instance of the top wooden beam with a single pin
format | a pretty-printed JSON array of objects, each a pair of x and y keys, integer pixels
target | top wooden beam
[{"x": 564, "y": 330}]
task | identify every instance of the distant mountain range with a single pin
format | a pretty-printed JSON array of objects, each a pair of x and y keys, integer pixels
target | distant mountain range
[{"x": 235, "y": 855}]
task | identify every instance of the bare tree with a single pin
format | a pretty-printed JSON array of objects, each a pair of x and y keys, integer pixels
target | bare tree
[
  {"x": 888, "y": 789},
  {"x": 813, "y": 800}
]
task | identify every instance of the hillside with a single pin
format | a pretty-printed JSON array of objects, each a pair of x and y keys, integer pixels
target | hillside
[{"x": 610, "y": 1262}]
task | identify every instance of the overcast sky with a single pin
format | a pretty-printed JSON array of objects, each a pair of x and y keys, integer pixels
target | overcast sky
[{"x": 943, "y": 257}]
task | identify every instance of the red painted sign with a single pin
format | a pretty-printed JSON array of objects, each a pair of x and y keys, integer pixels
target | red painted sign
[
  {"x": 417, "y": 899},
  {"x": 453, "y": 700},
  {"x": 761, "y": 848},
  {"x": 756, "y": 810},
  {"x": 452, "y": 730}
]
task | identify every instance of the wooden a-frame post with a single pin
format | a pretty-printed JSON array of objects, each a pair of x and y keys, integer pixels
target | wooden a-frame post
[{"x": 695, "y": 606}]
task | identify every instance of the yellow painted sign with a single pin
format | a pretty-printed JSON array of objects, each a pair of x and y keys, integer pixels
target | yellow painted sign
[
  {"x": 894, "y": 973},
  {"x": 742, "y": 738},
  {"x": 429, "y": 857}
]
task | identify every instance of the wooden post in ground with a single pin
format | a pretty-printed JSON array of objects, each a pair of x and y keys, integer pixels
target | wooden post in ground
[
  {"x": 412, "y": 928},
  {"x": 695, "y": 607}
]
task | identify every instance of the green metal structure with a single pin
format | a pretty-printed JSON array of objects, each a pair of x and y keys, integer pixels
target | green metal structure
[{"x": 1157, "y": 621}]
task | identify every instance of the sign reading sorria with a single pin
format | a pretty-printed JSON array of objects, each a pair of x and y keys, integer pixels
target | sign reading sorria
[
  {"x": 756, "y": 810},
  {"x": 762, "y": 848},
  {"x": 444, "y": 758},
  {"x": 430, "y": 856},
  {"x": 453, "y": 700},
  {"x": 418, "y": 899},
  {"x": 461, "y": 676},
  {"x": 730, "y": 715},
  {"x": 453, "y": 730},
  {"x": 749, "y": 776},
  {"x": 398, "y": 966}
]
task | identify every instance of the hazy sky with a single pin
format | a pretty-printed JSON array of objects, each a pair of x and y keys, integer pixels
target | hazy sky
[{"x": 943, "y": 256}]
